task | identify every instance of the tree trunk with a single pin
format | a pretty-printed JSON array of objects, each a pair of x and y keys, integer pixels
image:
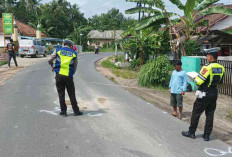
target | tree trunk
[
  {"x": 176, "y": 46},
  {"x": 142, "y": 58}
]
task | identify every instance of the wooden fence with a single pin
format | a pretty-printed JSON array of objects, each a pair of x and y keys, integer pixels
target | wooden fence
[{"x": 226, "y": 87}]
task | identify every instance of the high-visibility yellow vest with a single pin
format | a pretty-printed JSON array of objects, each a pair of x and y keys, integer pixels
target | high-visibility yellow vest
[
  {"x": 65, "y": 58},
  {"x": 210, "y": 75}
]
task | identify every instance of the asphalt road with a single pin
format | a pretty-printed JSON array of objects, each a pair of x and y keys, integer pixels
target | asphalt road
[{"x": 115, "y": 123}]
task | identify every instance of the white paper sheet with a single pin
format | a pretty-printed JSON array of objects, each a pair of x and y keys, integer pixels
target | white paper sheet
[{"x": 192, "y": 74}]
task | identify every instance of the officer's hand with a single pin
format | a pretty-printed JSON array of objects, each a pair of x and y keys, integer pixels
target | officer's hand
[
  {"x": 182, "y": 93},
  {"x": 169, "y": 90}
]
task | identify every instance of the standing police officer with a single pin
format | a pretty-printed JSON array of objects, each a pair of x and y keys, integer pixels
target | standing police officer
[
  {"x": 65, "y": 67},
  {"x": 210, "y": 77}
]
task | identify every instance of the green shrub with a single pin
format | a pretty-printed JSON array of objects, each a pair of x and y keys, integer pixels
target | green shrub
[
  {"x": 155, "y": 73},
  {"x": 3, "y": 62},
  {"x": 107, "y": 64},
  {"x": 191, "y": 47},
  {"x": 127, "y": 74},
  {"x": 135, "y": 63}
]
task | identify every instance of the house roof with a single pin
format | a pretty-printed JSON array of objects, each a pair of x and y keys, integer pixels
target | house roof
[
  {"x": 24, "y": 29},
  {"x": 215, "y": 36},
  {"x": 213, "y": 19},
  {"x": 110, "y": 34}
]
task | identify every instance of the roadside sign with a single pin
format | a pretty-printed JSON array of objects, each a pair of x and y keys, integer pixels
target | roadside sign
[{"x": 8, "y": 23}]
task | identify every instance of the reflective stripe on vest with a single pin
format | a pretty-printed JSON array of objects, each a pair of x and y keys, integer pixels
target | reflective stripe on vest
[
  {"x": 215, "y": 73},
  {"x": 65, "y": 62}
]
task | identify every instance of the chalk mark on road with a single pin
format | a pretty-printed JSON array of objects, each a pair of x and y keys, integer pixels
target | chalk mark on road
[
  {"x": 217, "y": 152},
  {"x": 55, "y": 111}
]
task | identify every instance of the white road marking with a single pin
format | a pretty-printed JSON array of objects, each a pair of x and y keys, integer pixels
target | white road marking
[
  {"x": 217, "y": 152},
  {"x": 94, "y": 114},
  {"x": 55, "y": 111}
]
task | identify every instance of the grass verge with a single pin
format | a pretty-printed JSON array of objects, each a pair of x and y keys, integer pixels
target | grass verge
[
  {"x": 126, "y": 74},
  {"x": 119, "y": 72},
  {"x": 108, "y": 64}
]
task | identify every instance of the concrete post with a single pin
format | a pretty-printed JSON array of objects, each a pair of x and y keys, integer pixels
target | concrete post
[
  {"x": 15, "y": 34},
  {"x": 38, "y": 32}
]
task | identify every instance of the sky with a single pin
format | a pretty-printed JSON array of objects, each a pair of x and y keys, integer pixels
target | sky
[{"x": 92, "y": 7}]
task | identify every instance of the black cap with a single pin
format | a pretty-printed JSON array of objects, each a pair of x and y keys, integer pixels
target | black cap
[{"x": 178, "y": 63}]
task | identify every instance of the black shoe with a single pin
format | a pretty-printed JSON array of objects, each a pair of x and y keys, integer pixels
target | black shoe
[
  {"x": 188, "y": 134},
  {"x": 205, "y": 137},
  {"x": 79, "y": 113},
  {"x": 64, "y": 114}
]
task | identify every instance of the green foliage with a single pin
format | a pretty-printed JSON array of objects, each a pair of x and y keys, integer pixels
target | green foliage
[
  {"x": 135, "y": 63},
  {"x": 191, "y": 47},
  {"x": 160, "y": 17},
  {"x": 61, "y": 15},
  {"x": 126, "y": 74},
  {"x": 3, "y": 62},
  {"x": 145, "y": 43},
  {"x": 106, "y": 49},
  {"x": 121, "y": 58},
  {"x": 229, "y": 31},
  {"x": 155, "y": 73},
  {"x": 108, "y": 64},
  {"x": 112, "y": 20},
  {"x": 217, "y": 10}
]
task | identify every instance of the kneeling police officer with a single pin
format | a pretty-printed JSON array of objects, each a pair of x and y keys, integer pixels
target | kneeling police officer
[
  {"x": 65, "y": 67},
  {"x": 210, "y": 77}
]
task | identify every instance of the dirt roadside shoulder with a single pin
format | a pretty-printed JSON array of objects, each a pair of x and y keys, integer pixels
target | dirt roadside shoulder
[
  {"x": 222, "y": 123},
  {"x": 6, "y": 73}
]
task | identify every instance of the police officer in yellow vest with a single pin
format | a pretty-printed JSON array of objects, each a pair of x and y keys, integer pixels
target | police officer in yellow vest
[
  {"x": 65, "y": 67},
  {"x": 210, "y": 77}
]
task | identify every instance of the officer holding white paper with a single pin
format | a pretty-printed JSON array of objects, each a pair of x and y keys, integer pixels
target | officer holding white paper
[{"x": 211, "y": 75}]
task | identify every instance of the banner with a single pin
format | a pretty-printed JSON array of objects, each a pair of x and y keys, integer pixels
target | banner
[{"x": 8, "y": 23}]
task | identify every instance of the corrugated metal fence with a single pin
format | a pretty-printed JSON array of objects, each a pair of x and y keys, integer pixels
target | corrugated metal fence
[{"x": 226, "y": 87}]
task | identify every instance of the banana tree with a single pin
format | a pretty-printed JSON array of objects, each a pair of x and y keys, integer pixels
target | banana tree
[
  {"x": 144, "y": 43},
  {"x": 192, "y": 9},
  {"x": 158, "y": 16}
]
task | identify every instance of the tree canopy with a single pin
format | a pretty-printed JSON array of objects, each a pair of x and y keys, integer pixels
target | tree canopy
[{"x": 61, "y": 19}]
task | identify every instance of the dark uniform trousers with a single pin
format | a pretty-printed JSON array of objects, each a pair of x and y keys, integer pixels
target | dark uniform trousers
[
  {"x": 63, "y": 82},
  {"x": 207, "y": 104}
]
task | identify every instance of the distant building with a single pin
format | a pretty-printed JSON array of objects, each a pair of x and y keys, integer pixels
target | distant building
[{"x": 106, "y": 37}]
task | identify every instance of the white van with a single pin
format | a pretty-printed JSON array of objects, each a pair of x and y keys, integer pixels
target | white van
[{"x": 31, "y": 48}]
